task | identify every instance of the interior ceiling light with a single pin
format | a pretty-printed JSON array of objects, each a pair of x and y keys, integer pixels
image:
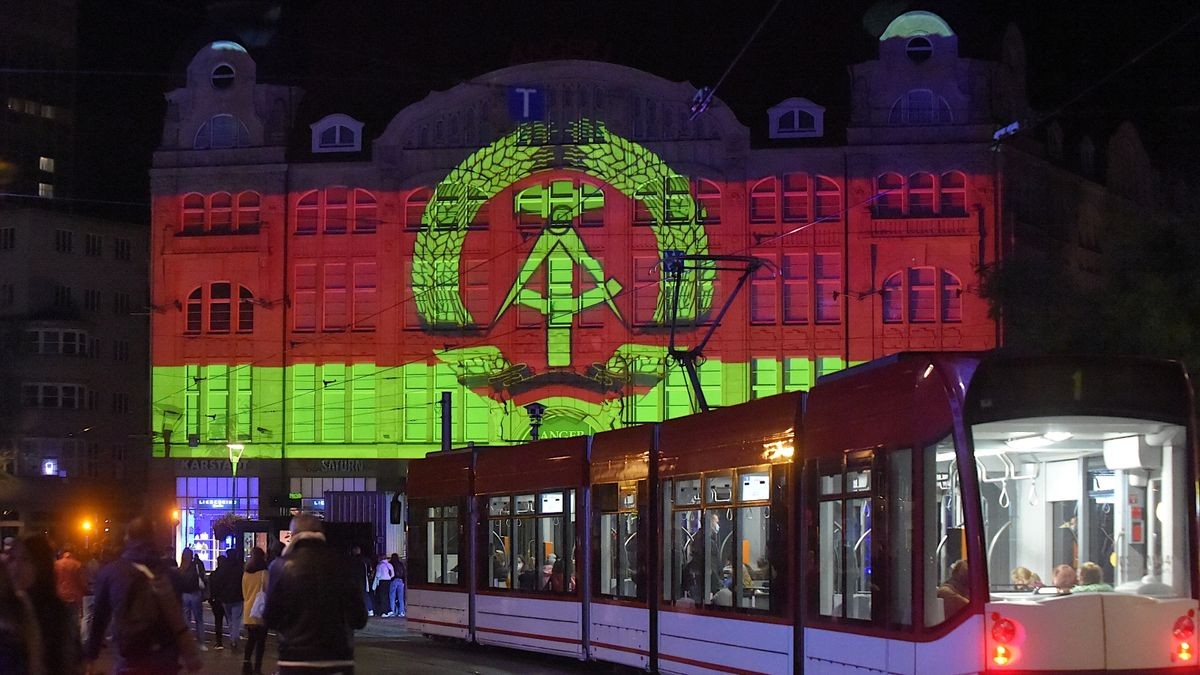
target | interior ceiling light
[{"x": 1037, "y": 440}]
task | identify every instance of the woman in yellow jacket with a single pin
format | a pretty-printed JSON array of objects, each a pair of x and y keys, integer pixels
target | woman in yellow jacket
[{"x": 254, "y": 585}]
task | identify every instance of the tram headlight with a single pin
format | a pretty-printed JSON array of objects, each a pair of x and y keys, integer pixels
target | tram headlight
[{"x": 1003, "y": 656}]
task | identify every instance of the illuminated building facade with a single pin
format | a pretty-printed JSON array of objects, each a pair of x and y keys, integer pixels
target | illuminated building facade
[{"x": 503, "y": 241}]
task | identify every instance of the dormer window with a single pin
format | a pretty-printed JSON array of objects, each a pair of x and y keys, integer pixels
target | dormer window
[
  {"x": 222, "y": 76},
  {"x": 337, "y": 133},
  {"x": 919, "y": 49},
  {"x": 796, "y": 118}
]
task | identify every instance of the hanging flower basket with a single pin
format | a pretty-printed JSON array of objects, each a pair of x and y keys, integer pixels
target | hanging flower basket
[{"x": 226, "y": 526}]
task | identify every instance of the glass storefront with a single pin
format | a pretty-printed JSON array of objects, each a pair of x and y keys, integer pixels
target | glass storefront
[{"x": 204, "y": 499}]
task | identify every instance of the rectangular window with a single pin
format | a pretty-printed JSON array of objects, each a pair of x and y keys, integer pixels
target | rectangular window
[
  {"x": 620, "y": 567},
  {"x": 335, "y": 310},
  {"x": 305, "y": 297},
  {"x": 243, "y": 398},
  {"x": 795, "y": 288},
  {"x": 304, "y": 408},
  {"x": 829, "y": 286},
  {"x": 121, "y": 350},
  {"x": 797, "y": 374},
  {"x": 46, "y": 164},
  {"x": 795, "y": 197},
  {"x": 725, "y": 549},
  {"x": 219, "y": 308},
  {"x": 91, "y": 299},
  {"x": 366, "y": 299},
  {"x": 530, "y": 538},
  {"x": 362, "y": 403},
  {"x": 122, "y": 248},
  {"x": 844, "y": 588},
  {"x": 46, "y": 190},
  {"x": 63, "y": 241},
  {"x": 216, "y": 402},
  {"x": 121, "y": 304},
  {"x": 8, "y": 238},
  {"x": 434, "y": 539},
  {"x": 93, "y": 244},
  {"x": 63, "y": 296},
  {"x": 333, "y": 403},
  {"x": 763, "y": 299},
  {"x": 764, "y": 377}
]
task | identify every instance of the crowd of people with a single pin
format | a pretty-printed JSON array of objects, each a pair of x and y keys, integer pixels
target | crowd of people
[
  {"x": 955, "y": 592},
  {"x": 58, "y": 612}
]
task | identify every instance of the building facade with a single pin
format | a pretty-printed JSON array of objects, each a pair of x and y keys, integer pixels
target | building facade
[
  {"x": 503, "y": 242},
  {"x": 74, "y": 348}
]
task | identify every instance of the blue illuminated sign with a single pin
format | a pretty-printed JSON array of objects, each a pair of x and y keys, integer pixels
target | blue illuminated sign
[{"x": 526, "y": 104}]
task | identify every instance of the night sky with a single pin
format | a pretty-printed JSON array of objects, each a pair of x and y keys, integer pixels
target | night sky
[{"x": 373, "y": 57}]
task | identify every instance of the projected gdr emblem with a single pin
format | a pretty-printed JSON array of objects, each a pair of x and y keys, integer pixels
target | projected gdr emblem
[{"x": 558, "y": 251}]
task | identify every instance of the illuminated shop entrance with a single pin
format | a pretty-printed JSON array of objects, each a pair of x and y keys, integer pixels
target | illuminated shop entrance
[{"x": 201, "y": 500}]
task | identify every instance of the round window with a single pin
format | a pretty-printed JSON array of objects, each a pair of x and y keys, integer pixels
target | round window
[
  {"x": 222, "y": 76},
  {"x": 919, "y": 49}
]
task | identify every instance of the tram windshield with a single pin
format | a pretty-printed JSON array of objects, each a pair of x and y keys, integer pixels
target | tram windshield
[{"x": 1083, "y": 504}]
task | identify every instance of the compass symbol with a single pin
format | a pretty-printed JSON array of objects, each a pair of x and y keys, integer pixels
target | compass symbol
[{"x": 560, "y": 250}]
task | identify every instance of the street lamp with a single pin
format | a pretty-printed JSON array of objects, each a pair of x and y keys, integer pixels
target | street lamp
[{"x": 536, "y": 411}]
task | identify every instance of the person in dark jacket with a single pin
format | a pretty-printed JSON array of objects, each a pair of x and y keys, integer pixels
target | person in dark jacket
[
  {"x": 194, "y": 583},
  {"x": 113, "y": 586},
  {"x": 33, "y": 573},
  {"x": 225, "y": 583},
  {"x": 314, "y": 604}
]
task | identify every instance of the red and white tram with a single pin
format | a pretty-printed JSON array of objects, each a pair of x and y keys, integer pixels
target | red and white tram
[{"x": 925, "y": 513}]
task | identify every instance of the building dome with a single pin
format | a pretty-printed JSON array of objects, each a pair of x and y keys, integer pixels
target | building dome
[{"x": 912, "y": 24}]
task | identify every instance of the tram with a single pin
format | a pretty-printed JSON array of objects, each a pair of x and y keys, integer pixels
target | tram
[{"x": 923, "y": 513}]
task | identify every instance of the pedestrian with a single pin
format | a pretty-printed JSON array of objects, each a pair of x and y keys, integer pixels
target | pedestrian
[
  {"x": 232, "y": 599},
  {"x": 362, "y": 570},
  {"x": 20, "y": 637},
  {"x": 254, "y": 584},
  {"x": 218, "y": 609},
  {"x": 314, "y": 603},
  {"x": 382, "y": 585},
  {"x": 397, "y": 589},
  {"x": 32, "y": 563},
  {"x": 88, "y": 607},
  {"x": 70, "y": 580},
  {"x": 137, "y": 593},
  {"x": 193, "y": 583}
]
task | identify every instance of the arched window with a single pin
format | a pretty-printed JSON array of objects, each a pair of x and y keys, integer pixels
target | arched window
[
  {"x": 951, "y": 298},
  {"x": 220, "y": 212},
  {"x": 920, "y": 106},
  {"x": 308, "y": 212},
  {"x": 195, "y": 311},
  {"x": 245, "y": 310},
  {"x": 414, "y": 208},
  {"x": 893, "y": 298},
  {"x": 366, "y": 211},
  {"x": 889, "y": 192},
  {"x": 922, "y": 295},
  {"x": 337, "y": 210},
  {"x": 763, "y": 201},
  {"x": 222, "y": 131},
  {"x": 953, "y": 196},
  {"x": 829, "y": 198},
  {"x": 248, "y": 212},
  {"x": 193, "y": 213},
  {"x": 920, "y": 195},
  {"x": 219, "y": 307},
  {"x": 797, "y": 120},
  {"x": 215, "y": 301},
  {"x": 795, "y": 197},
  {"x": 708, "y": 196}
]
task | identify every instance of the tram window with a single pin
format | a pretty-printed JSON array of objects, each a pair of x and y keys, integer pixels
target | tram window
[
  {"x": 845, "y": 587},
  {"x": 617, "y": 564},
  {"x": 531, "y": 546},
  {"x": 500, "y": 546},
  {"x": 723, "y": 555},
  {"x": 720, "y": 489},
  {"x": 433, "y": 558},
  {"x": 899, "y": 543},
  {"x": 1057, "y": 493},
  {"x": 945, "y": 534}
]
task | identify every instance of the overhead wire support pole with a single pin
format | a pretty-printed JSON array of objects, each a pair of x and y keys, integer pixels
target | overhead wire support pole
[{"x": 674, "y": 264}]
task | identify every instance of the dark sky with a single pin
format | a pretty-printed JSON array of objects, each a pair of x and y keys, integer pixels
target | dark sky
[{"x": 378, "y": 55}]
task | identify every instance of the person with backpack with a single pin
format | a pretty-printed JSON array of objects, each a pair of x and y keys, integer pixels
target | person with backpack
[
  {"x": 193, "y": 583},
  {"x": 314, "y": 604},
  {"x": 136, "y": 593}
]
